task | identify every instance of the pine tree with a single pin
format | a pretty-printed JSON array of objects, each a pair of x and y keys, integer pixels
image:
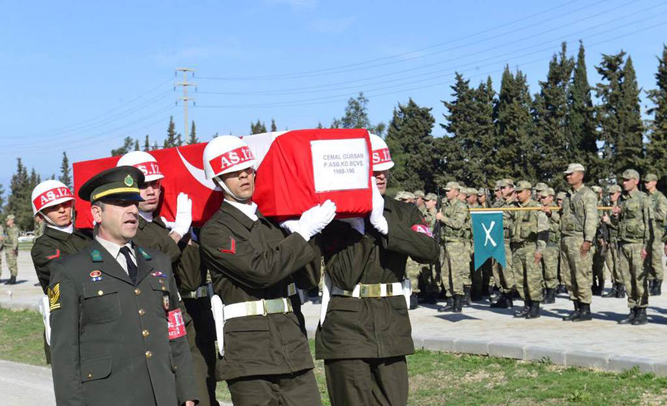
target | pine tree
[
  {"x": 18, "y": 202},
  {"x": 128, "y": 144},
  {"x": 147, "y": 144},
  {"x": 411, "y": 144},
  {"x": 319, "y": 125},
  {"x": 550, "y": 110},
  {"x": 136, "y": 145},
  {"x": 631, "y": 149},
  {"x": 356, "y": 113},
  {"x": 656, "y": 150},
  {"x": 460, "y": 128},
  {"x": 193, "y": 134},
  {"x": 65, "y": 174},
  {"x": 273, "y": 125},
  {"x": 518, "y": 150},
  {"x": 335, "y": 123},
  {"x": 581, "y": 122},
  {"x": 257, "y": 128}
]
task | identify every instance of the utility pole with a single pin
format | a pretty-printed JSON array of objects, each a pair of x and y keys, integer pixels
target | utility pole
[{"x": 185, "y": 97}]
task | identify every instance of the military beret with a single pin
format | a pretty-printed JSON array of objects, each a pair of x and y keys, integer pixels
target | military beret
[
  {"x": 613, "y": 189},
  {"x": 630, "y": 174},
  {"x": 419, "y": 193},
  {"x": 452, "y": 185},
  {"x": 120, "y": 183},
  {"x": 575, "y": 168},
  {"x": 651, "y": 177},
  {"x": 431, "y": 196},
  {"x": 523, "y": 185}
]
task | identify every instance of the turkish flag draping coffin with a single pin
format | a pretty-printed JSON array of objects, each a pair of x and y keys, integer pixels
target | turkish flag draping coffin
[
  {"x": 297, "y": 170},
  {"x": 304, "y": 168},
  {"x": 182, "y": 170}
]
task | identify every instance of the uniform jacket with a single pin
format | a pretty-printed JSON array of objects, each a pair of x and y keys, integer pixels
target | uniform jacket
[
  {"x": 11, "y": 240},
  {"x": 579, "y": 216},
  {"x": 455, "y": 215},
  {"x": 634, "y": 220},
  {"x": 659, "y": 207},
  {"x": 109, "y": 339},
  {"x": 54, "y": 244},
  {"x": 530, "y": 226},
  {"x": 253, "y": 260},
  {"x": 371, "y": 327}
]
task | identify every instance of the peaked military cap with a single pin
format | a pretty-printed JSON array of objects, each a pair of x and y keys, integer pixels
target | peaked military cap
[
  {"x": 419, "y": 193},
  {"x": 574, "y": 168},
  {"x": 630, "y": 174},
  {"x": 481, "y": 191},
  {"x": 506, "y": 183},
  {"x": 452, "y": 185},
  {"x": 431, "y": 196},
  {"x": 561, "y": 195},
  {"x": 613, "y": 189},
  {"x": 540, "y": 186},
  {"x": 596, "y": 189},
  {"x": 651, "y": 177},
  {"x": 408, "y": 195},
  {"x": 120, "y": 183},
  {"x": 523, "y": 185},
  {"x": 471, "y": 191},
  {"x": 10, "y": 217}
]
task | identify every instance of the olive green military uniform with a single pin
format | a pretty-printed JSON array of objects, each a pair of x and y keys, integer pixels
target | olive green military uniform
[
  {"x": 186, "y": 264},
  {"x": 364, "y": 340},
  {"x": 455, "y": 256},
  {"x": 616, "y": 276},
  {"x": 599, "y": 256},
  {"x": 655, "y": 245},
  {"x": 266, "y": 357},
  {"x": 528, "y": 236},
  {"x": 110, "y": 338},
  {"x": 579, "y": 220},
  {"x": 634, "y": 228},
  {"x": 54, "y": 244},
  {"x": 551, "y": 254},
  {"x": 11, "y": 247},
  {"x": 413, "y": 268},
  {"x": 507, "y": 276},
  {"x": 39, "y": 229}
]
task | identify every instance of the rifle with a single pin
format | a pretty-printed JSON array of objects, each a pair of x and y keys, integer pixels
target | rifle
[{"x": 436, "y": 230}]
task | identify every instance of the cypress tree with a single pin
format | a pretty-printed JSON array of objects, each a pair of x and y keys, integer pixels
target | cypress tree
[
  {"x": 136, "y": 145},
  {"x": 274, "y": 128},
  {"x": 460, "y": 127},
  {"x": 656, "y": 150},
  {"x": 257, "y": 128},
  {"x": 18, "y": 202},
  {"x": 172, "y": 137},
  {"x": 147, "y": 144},
  {"x": 411, "y": 144},
  {"x": 65, "y": 174},
  {"x": 581, "y": 121},
  {"x": 193, "y": 134},
  {"x": 631, "y": 146}
]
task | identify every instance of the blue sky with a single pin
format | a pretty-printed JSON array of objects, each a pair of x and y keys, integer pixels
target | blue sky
[{"x": 79, "y": 76}]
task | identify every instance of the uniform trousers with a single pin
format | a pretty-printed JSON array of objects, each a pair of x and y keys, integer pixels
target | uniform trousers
[
  {"x": 577, "y": 269},
  {"x": 296, "y": 389}
]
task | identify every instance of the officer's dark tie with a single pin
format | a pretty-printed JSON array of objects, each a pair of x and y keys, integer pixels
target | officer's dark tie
[{"x": 131, "y": 267}]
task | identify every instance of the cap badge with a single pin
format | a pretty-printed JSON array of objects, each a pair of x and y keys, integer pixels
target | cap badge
[{"x": 129, "y": 181}]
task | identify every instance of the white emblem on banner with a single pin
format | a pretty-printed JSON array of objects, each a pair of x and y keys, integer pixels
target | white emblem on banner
[
  {"x": 487, "y": 231},
  {"x": 340, "y": 164}
]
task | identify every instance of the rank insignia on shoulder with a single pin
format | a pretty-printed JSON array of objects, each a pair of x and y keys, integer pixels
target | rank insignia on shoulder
[
  {"x": 55, "y": 255},
  {"x": 54, "y": 296},
  {"x": 165, "y": 302},
  {"x": 232, "y": 247},
  {"x": 144, "y": 254},
  {"x": 158, "y": 274},
  {"x": 421, "y": 228},
  {"x": 96, "y": 276},
  {"x": 96, "y": 256}
]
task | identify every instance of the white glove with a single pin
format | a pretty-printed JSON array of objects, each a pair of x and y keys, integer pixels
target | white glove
[
  {"x": 169, "y": 224},
  {"x": 312, "y": 221},
  {"x": 377, "y": 214},
  {"x": 183, "y": 214},
  {"x": 357, "y": 223}
]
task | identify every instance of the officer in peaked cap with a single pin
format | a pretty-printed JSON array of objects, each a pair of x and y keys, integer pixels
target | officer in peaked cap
[{"x": 117, "y": 334}]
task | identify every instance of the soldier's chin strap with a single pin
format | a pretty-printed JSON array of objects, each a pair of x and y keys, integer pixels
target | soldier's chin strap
[
  {"x": 218, "y": 181},
  {"x": 69, "y": 229}
]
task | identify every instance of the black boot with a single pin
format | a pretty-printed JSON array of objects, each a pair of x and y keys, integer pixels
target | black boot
[
  {"x": 550, "y": 296},
  {"x": 631, "y": 317},
  {"x": 466, "y": 295},
  {"x": 621, "y": 291},
  {"x": 640, "y": 317},
  {"x": 534, "y": 310},
  {"x": 449, "y": 306},
  {"x": 413, "y": 301},
  {"x": 524, "y": 311},
  {"x": 458, "y": 303},
  {"x": 574, "y": 314},
  {"x": 11, "y": 281},
  {"x": 612, "y": 292},
  {"x": 584, "y": 312},
  {"x": 650, "y": 287},
  {"x": 657, "y": 288},
  {"x": 503, "y": 302}
]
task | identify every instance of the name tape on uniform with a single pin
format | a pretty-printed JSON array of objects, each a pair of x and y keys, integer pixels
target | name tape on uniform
[{"x": 340, "y": 164}]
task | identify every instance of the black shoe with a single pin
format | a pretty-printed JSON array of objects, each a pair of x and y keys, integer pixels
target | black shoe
[
  {"x": 596, "y": 290},
  {"x": 620, "y": 291},
  {"x": 466, "y": 295},
  {"x": 458, "y": 304},
  {"x": 650, "y": 285},
  {"x": 640, "y": 317},
  {"x": 550, "y": 296},
  {"x": 657, "y": 288},
  {"x": 612, "y": 292},
  {"x": 524, "y": 311},
  {"x": 534, "y": 310},
  {"x": 561, "y": 289},
  {"x": 574, "y": 314},
  {"x": 11, "y": 281},
  {"x": 631, "y": 317},
  {"x": 413, "y": 301},
  {"x": 448, "y": 307},
  {"x": 504, "y": 302},
  {"x": 584, "y": 312}
]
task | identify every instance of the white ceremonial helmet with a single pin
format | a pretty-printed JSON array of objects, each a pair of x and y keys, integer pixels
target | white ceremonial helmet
[
  {"x": 143, "y": 161},
  {"x": 381, "y": 156},
  {"x": 49, "y": 193},
  {"x": 225, "y": 154}
]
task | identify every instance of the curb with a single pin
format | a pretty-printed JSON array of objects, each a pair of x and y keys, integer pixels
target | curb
[{"x": 585, "y": 359}]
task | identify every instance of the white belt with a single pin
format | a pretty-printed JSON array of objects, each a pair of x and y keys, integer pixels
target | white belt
[
  {"x": 371, "y": 290},
  {"x": 257, "y": 308}
]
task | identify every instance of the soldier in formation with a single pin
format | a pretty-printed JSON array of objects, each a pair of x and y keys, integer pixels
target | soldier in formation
[{"x": 10, "y": 244}]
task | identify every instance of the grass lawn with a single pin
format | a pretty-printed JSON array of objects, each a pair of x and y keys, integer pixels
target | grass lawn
[{"x": 435, "y": 378}]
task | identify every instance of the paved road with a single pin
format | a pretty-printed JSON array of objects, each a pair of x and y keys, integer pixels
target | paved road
[{"x": 599, "y": 343}]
